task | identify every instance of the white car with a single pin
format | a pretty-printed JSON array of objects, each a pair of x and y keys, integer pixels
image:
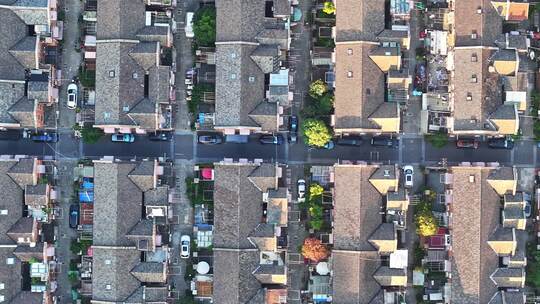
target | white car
[
  {"x": 185, "y": 241},
  {"x": 189, "y": 25},
  {"x": 72, "y": 96},
  {"x": 409, "y": 175},
  {"x": 301, "y": 190}
]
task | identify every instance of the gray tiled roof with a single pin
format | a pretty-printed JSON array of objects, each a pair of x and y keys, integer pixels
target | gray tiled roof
[
  {"x": 25, "y": 253},
  {"x": 12, "y": 31},
  {"x": 21, "y": 172},
  {"x": 22, "y": 228},
  {"x": 23, "y": 112},
  {"x": 38, "y": 90},
  {"x": 157, "y": 197},
  {"x": 25, "y": 52},
  {"x": 282, "y": 7},
  {"x": 233, "y": 278},
  {"x": 264, "y": 56},
  {"x": 143, "y": 175},
  {"x": 475, "y": 217},
  {"x": 10, "y": 274},
  {"x": 508, "y": 297},
  {"x": 399, "y": 195},
  {"x": 505, "y": 277},
  {"x": 145, "y": 294},
  {"x": 117, "y": 203},
  {"x": 25, "y": 3},
  {"x": 149, "y": 272},
  {"x": 264, "y": 177},
  {"x": 385, "y": 232},
  {"x": 112, "y": 267},
  {"x": 120, "y": 19},
  {"x": 359, "y": 20},
  {"x": 384, "y": 275},
  {"x": 385, "y": 172},
  {"x": 237, "y": 206},
  {"x": 504, "y": 55},
  {"x": 353, "y": 280},
  {"x": 159, "y": 84},
  {"x": 386, "y": 110},
  {"x": 11, "y": 200},
  {"x": 502, "y": 234},
  {"x": 505, "y": 112},
  {"x": 239, "y": 85},
  {"x": 239, "y": 20},
  {"x": 35, "y": 195},
  {"x": 154, "y": 33},
  {"x": 487, "y": 25},
  {"x": 143, "y": 114},
  {"x": 145, "y": 227},
  {"x": 10, "y": 93},
  {"x": 28, "y": 297},
  {"x": 266, "y": 116},
  {"x": 356, "y": 207},
  {"x": 264, "y": 273}
]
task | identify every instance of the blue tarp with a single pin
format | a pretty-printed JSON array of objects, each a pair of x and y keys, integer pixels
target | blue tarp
[
  {"x": 87, "y": 185},
  {"x": 86, "y": 196}
]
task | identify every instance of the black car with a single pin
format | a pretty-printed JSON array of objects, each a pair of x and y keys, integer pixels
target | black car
[
  {"x": 271, "y": 139},
  {"x": 349, "y": 141},
  {"x": 73, "y": 215},
  {"x": 211, "y": 139},
  {"x": 160, "y": 136},
  {"x": 501, "y": 143},
  {"x": 383, "y": 141}
]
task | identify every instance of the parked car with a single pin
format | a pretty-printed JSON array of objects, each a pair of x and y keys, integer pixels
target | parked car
[
  {"x": 276, "y": 139},
  {"x": 501, "y": 143},
  {"x": 293, "y": 128},
  {"x": 301, "y": 190},
  {"x": 73, "y": 215},
  {"x": 126, "y": 138},
  {"x": 45, "y": 137},
  {"x": 467, "y": 143},
  {"x": 189, "y": 25},
  {"x": 384, "y": 141},
  {"x": 185, "y": 241},
  {"x": 355, "y": 141},
  {"x": 528, "y": 209},
  {"x": 409, "y": 175},
  {"x": 211, "y": 139},
  {"x": 72, "y": 92},
  {"x": 237, "y": 139},
  {"x": 160, "y": 136}
]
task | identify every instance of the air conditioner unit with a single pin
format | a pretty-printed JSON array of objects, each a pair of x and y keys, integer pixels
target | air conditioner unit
[{"x": 447, "y": 239}]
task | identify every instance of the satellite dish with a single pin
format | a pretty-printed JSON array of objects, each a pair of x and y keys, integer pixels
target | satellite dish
[{"x": 203, "y": 267}]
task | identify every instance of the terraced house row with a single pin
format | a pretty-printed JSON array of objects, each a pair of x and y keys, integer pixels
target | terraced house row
[{"x": 29, "y": 76}]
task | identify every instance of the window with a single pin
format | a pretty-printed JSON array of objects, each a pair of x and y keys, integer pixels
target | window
[
  {"x": 135, "y": 75},
  {"x": 473, "y": 78},
  {"x": 233, "y": 76},
  {"x": 111, "y": 73},
  {"x": 469, "y": 96},
  {"x": 107, "y": 262},
  {"x": 4, "y": 212},
  {"x": 368, "y": 91},
  {"x": 474, "y": 35},
  {"x": 349, "y": 74},
  {"x": 2, "y": 298},
  {"x": 20, "y": 240},
  {"x": 349, "y": 51},
  {"x": 471, "y": 178},
  {"x": 479, "y": 10},
  {"x": 251, "y": 79},
  {"x": 108, "y": 286},
  {"x": 474, "y": 58},
  {"x": 10, "y": 261},
  {"x": 2, "y": 286}
]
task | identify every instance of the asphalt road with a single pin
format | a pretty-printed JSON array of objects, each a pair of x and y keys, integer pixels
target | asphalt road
[{"x": 412, "y": 150}]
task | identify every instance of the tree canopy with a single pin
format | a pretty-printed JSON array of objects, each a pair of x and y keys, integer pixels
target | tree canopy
[
  {"x": 316, "y": 133},
  {"x": 204, "y": 26},
  {"x": 314, "y": 250},
  {"x": 329, "y": 8},
  {"x": 317, "y": 89},
  {"x": 426, "y": 224}
]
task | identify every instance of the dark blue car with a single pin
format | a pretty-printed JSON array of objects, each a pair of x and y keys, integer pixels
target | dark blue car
[{"x": 45, "y": 137}]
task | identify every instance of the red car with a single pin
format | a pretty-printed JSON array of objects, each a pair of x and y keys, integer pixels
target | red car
[{"x": 467, "y": 144}]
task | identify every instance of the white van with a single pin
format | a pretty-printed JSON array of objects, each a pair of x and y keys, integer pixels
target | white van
[{"x": 189, "y": 25}]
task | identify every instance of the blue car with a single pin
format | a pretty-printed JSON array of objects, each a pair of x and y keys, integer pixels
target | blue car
[
  {"x": 45, "y": 137},
  {"x": 127, "y": 138}
]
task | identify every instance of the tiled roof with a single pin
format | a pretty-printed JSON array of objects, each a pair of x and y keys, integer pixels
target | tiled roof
[
  {"x": 353, "y": 280},
  {"x": 237, "y": 205},
  {"x": 143, "y": 175},
  {"x": 475, "y": 217},
  {"x": 359, "y": 87},
  {"x": 11, "y": 200},
  {"x": 487, "y": 25},
  {"x": 117, "y": 203},
  {"x": 359, "y": 20},
  {"x": 25, "y": 52},
  {"x": 356, "y": 207},
  {"x": 120, "y": 19},
  {"x": 13, "y": 30},
  {"x": 10, "y": 274},
  {"x": 149, "y": 272}
]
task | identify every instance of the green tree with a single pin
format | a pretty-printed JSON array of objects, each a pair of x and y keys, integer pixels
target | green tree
[
  {"x": 204, "y": 26},
  {"x": 317, "y": 89},
  {"x": 536, "y": 129},
  {"x": 329, "y": 8},
  {"x": 437, "y": 140},
  {"x": 91, "y": 135},
  {"x": 316, "y": 133},
  {"x": 426, "y": 224},
  {"x": 315, "y": 190}
]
